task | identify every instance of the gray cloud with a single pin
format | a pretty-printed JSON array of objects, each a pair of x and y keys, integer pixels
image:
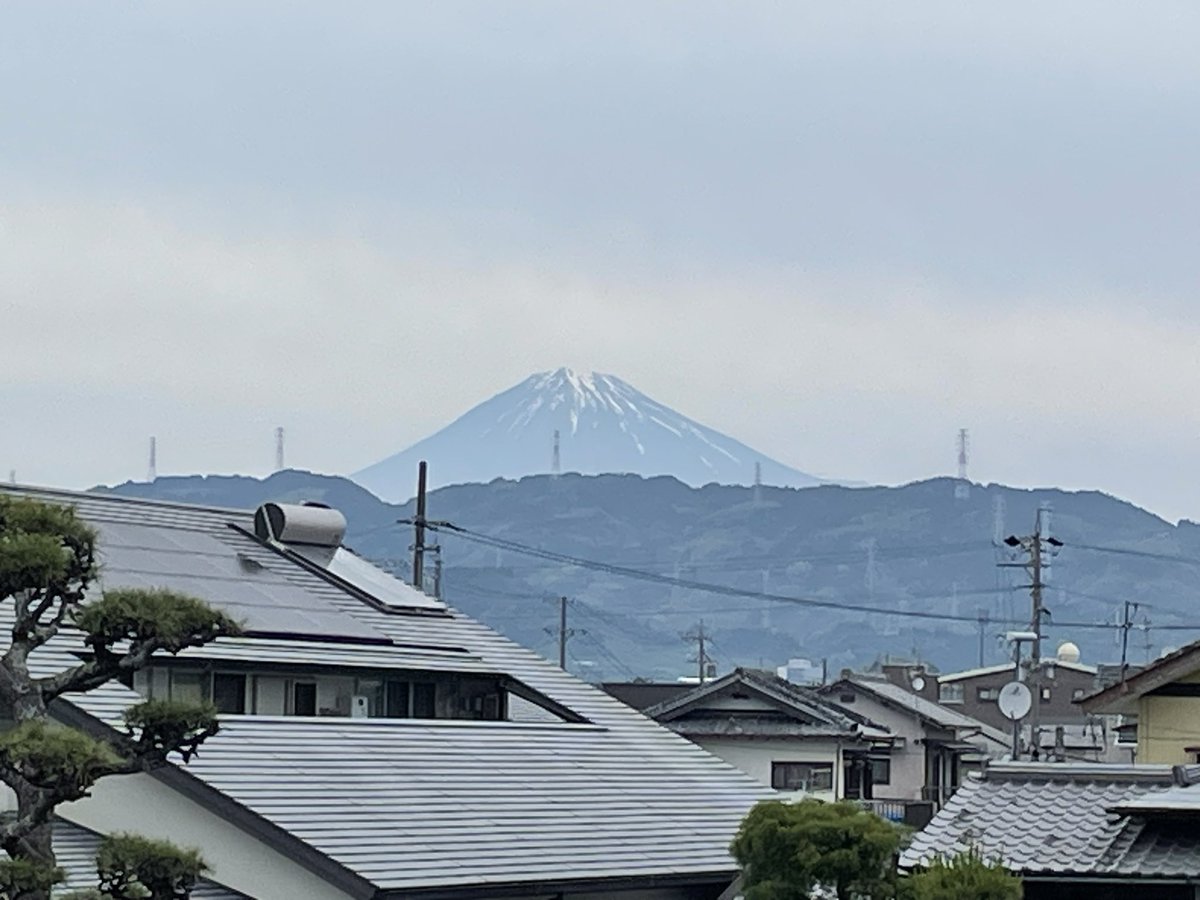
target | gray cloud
[{"x": 837, "y": 233}]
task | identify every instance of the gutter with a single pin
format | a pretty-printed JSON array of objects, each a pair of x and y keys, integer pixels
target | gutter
[{"x": 719, "y": 882}]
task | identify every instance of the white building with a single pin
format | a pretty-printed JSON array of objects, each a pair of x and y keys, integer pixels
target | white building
[{"x": 785, "y": 736}]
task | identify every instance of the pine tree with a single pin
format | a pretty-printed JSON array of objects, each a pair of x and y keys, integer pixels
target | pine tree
[
  {"x": 788, "y": 851},
  {"x": 48, "y": 568}
]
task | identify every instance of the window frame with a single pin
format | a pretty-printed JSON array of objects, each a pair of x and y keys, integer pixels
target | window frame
[
  {"x": 873, "y": 762},
  {"x": 292, "y": 705},
  {"x": 780, "y": 782},
  {"x": 951, "y": 694},
  {"x": 239, "y": 676}
]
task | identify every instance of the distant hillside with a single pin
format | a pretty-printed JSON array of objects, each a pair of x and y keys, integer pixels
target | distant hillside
[
  {"x": 604, "y": 425},
  {"x": 904, "y": 548}
]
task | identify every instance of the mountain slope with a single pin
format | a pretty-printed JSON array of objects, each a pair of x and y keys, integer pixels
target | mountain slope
[
  {"x": 605, "y": 425},
  {"x": 913, "y": 548}
]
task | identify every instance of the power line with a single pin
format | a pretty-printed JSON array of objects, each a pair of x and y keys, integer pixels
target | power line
[
  {"x": 1145, "y": 554},
  {"x": 566, "y": 559}
]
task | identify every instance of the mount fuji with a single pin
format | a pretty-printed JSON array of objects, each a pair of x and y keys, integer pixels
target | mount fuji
[{"x": 604, "y": 424}]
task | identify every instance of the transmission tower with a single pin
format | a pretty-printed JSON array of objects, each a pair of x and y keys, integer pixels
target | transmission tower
[
  {"x": 758, "y": 484},
  {"x": 962, "y": 487},
  {"x": 279, "y": 449},
  {"x": 556, "y": 459},
  {"x": 152, "y": 468}
]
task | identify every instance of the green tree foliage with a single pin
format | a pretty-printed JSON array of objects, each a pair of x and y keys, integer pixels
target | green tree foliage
[
  {"x": 22, "y": 879},
  {"x": 47, "y": 569},
  {"x": 136, "y": 868},
  {"x": 964, "y": 876},
  {"x": 789, "y": 850}
]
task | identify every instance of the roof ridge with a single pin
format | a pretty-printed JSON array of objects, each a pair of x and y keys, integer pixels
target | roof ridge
[
  {"x": 1083, "y": 772},
  {"x": 28, "y": 489}
]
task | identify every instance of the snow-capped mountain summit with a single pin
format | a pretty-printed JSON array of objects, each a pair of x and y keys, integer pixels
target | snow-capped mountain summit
[{"x": 604, "y": 425}]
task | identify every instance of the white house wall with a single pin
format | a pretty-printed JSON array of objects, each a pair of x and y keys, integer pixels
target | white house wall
[
  {"x": 908, "y": 753},
  {"x": 143, "y": 805},
  {"x": 754, "y": 757}
]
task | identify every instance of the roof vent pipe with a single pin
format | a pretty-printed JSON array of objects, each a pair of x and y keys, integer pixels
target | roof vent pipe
[{"x": 289, "y": 523}]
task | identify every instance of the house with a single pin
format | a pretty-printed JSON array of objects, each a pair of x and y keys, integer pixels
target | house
[
  {"x": 785, "y": 736},
  {"x": 1164, "y": 700},
  {"x": 933, "y": 746},
  {"x": 1076, "y": 831},
  {"x": 376, "y": 743}
]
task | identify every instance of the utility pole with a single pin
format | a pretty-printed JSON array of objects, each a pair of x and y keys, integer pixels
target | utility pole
[
  {"x": 419, "y": 530},
  {"x": 700, "y": 638},
  {"x": 563, "y": 633},
  {"x": 419, "y": 548},
  {"x": 1035, "y": 546},
  {"x": 1126, "y": 623}
]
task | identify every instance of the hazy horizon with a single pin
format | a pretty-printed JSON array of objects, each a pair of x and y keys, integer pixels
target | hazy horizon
[{"x": 836, "y": 234}]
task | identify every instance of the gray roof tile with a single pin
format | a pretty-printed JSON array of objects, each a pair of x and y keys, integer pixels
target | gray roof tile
[{"x": 1058, "y": 819}]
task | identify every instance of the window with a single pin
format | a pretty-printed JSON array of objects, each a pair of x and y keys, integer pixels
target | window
[
  {"x": 397, "y": 704},
  {"x": 188, "y": 686},
  {"x": 950, "y": 693},
  {"x": 1045, "y": 694},
  {"x": 424, "y": 700},
  {"x": 229, "y": 693},
  {"x": 987, "y": 694},
  {"x": 304, "y": 698},
  {"x": 789, "y": 776},
  {"x": 881, "y": 770},
  {"x": 1077, "y": 694}
]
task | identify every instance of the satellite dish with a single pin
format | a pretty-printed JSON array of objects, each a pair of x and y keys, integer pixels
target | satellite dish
[
  {"x": 1015, "y": 701},
  {"x": 918, "y": 684}
]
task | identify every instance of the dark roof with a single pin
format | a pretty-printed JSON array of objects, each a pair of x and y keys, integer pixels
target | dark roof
[
  {"x": 1070, "y": 820},
  {"x": 411, "y": 805},
  {"x": 799, "y": 710},
  {"x": 644, "y": 694},
  {"x": 1122, "y": 696}
]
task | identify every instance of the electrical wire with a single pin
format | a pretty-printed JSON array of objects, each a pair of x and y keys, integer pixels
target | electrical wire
[
  {"x": 1145, "y": 554},
  {"x": 690, "y": 584}
]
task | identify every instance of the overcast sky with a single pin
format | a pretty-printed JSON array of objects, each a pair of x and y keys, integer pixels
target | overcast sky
[{"x": 836, "y": 231}]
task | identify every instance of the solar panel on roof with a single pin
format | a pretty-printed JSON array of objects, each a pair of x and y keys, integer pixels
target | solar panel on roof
[
  {"x": 197, "y": 564},
  {"x": 358, "y": 573}
]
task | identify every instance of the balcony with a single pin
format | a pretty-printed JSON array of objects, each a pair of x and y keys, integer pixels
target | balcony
[{"x": 913, "y": 813}]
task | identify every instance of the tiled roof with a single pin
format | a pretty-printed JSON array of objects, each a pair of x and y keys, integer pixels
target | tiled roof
[
  {"x": 1060, "y": 819},
  {"x": 644, "y": 694},
  {"x": 415, "y": 803},
  {"x": 804, "y": 703}
]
